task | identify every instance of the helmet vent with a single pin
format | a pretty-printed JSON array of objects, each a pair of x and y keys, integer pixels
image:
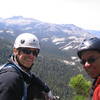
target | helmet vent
[{"x": 22, "y": 41}]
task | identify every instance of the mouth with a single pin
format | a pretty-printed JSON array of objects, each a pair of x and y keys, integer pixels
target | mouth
[{"x": 29, "y": 60}]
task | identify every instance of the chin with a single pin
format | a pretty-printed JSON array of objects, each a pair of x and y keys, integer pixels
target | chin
[
  {"x": 94, "y": 77},
  {"x": 29, "y": 68}
]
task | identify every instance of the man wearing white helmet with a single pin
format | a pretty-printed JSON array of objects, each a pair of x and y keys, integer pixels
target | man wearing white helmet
[{"x": 16, "y": 80}]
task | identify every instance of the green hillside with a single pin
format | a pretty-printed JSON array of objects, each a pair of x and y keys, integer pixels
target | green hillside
[{"x": 5, "y": 50}]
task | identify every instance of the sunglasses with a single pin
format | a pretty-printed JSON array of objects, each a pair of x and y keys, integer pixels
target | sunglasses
[
  {"x": 28, "y": 51},
  {"x": 90, "y": 60}
]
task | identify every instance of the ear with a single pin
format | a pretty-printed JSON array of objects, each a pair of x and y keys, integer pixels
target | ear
[{"x": 15, "y": 51}]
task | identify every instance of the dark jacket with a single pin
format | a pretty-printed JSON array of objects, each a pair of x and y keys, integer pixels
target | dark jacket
[{"x": 13, "y": 83}]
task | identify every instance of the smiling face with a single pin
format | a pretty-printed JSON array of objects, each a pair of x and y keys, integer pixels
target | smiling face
[
  {"x": 26, "y": 57},
  {"x": 91, "y": 64}
]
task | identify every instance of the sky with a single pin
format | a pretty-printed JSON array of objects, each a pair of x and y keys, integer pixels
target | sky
[{"x": 82, "y": 13}]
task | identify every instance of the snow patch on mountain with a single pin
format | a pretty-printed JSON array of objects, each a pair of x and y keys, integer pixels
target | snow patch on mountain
[
  {"x": 11, "y": 32},
  {"x": 45, "y": 39},
  {"x": 68, "y": 62},
  {"x": 66, "y": 43},
  {"x": 57, "y": 40},
  {"x": 72, "y": 44},
  {"x": 67, "y": 47},
  {"x": 19, "y": 22},
  {"x": 28, "y": 28},
  {"x": 73, "y": 58}
]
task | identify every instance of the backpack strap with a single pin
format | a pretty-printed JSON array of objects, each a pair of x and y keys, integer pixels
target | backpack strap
[
  {"x": 25, "y": 76},
  {"x": 9, "y": 65}
]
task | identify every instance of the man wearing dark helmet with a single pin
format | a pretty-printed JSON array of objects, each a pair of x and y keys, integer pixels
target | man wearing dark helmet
[{"x": 89, "y": 54}]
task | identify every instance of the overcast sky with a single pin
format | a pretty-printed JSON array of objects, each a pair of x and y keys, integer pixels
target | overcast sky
[{"x": 82, "y": 13}]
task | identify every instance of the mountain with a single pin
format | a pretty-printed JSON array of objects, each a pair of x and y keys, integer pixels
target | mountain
[
  {"x": 96, "y": 32},
  {"x": 57, "y": 61},
  {"x": 56, "y": 39}
]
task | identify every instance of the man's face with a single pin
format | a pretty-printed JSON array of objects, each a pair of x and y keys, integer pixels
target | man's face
[
  {"x": 26, "y": 57},
  {"x": 91, "y": 63}
]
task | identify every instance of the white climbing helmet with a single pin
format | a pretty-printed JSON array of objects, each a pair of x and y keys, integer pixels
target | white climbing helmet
[{"x": 27, "y": 40}]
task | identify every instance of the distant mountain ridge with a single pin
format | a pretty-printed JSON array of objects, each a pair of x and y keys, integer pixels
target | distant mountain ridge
[
  {"x": 58, "y": 41},
  {"x": 60, "y": 37},
  {"x": 96, "y": 32}
]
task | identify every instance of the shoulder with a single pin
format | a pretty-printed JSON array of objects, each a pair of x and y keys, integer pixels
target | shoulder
[
  {"x": 9, "y": 76},
  {"x": 96, "y": 94},
  {"x": 10, "y": 82}
]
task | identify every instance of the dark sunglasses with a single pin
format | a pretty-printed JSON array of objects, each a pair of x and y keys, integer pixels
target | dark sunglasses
[
  {"x": 28, "y": 51},
  {"x": 90, "y": 60}
]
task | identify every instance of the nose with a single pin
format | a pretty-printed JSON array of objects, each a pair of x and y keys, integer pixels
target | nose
[
  {"x": 87, "y": 65},
  {"x": 31, "y": 55}
]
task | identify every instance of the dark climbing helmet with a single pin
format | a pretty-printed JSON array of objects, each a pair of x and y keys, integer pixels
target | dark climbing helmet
[{"x": 92, "y": 43}]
